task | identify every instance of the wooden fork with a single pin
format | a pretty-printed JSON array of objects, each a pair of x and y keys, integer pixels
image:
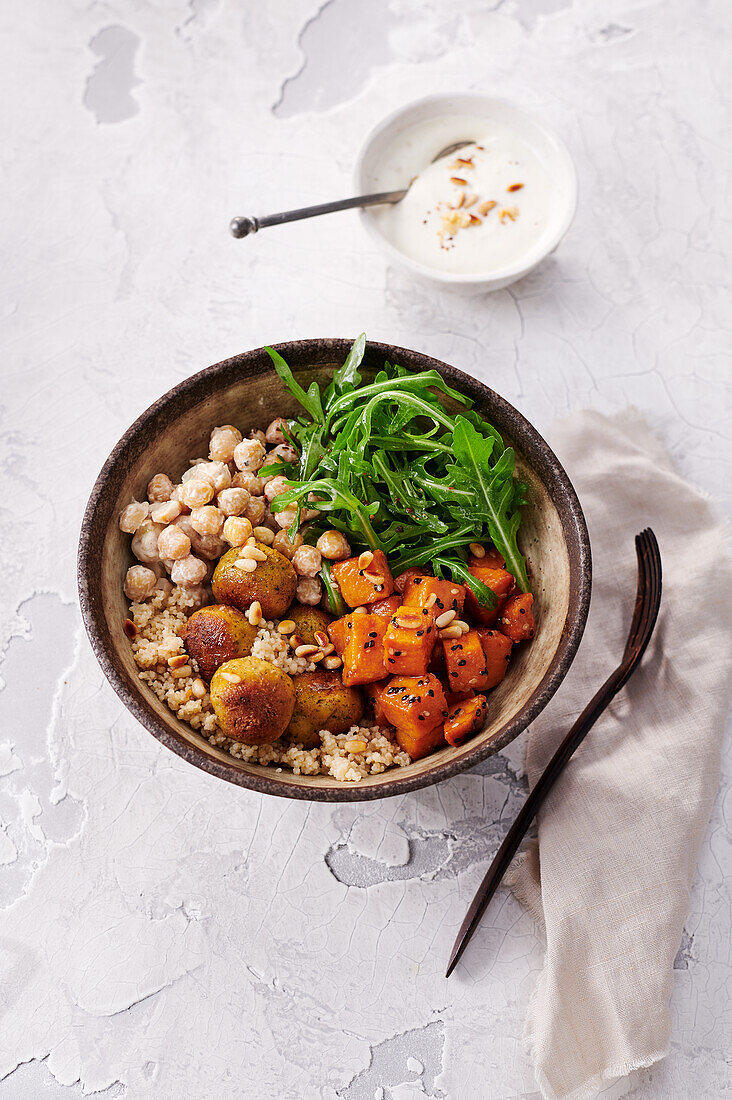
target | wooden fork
[{"x": 647, "y": 602}]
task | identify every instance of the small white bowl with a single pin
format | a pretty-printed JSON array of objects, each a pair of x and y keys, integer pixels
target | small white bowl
[{"x": 436, "y": 121}]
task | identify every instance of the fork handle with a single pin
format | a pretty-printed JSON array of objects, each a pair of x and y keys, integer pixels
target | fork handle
[
  {"x": 244, "y": 226},
  {"x": 530, "y": 808}
]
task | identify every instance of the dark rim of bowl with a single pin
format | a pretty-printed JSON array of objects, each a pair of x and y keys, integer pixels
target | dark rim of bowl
[{"x": 304, "y": 354}]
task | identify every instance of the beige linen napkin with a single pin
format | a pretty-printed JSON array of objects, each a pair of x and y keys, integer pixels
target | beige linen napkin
[{"x": 619, "y": 835}]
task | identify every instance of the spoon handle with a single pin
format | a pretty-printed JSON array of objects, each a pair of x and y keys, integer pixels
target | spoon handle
[{"x": 242, "y": 227}]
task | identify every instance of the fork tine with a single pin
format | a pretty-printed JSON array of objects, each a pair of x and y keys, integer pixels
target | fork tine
[{"x": 650, "y": 568}]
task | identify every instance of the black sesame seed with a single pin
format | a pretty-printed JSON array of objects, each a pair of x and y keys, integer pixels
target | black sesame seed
[
  {"x": 477, "y": 713},
  {"x": 431, "y": 692},
  {"x": 417, "y": 580},
  {"x": 531, "y": 633},
  {"x": 373, "y": 634},
  {"x": 390, "y": 660},
  {"x": 453, "y": 673},
  {"x": 461, "y": 663},
  {"x": 454, "y": 647},
  {"x": 420, "y": 633},
  {"x": 421, "y": 717},
  {"x": 369, "y": 645},
  {"x": 439, "y": 603},
  {"x": 522, "y": 611},
  {"x": 445, "y": 714},
  {"x": 393, "y": 690},
  {"x": 425, "y": 611}
]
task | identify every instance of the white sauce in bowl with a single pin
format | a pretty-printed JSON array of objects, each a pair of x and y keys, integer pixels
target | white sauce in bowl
[{"x": 486, "y": 213}]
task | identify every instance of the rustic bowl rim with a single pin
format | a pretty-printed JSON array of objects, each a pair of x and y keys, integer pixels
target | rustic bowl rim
[{"x": 395, "y": 782}]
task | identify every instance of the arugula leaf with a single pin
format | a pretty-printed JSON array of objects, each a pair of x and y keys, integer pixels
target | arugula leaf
[
  {"x": 347, "y": 378},
  {"x": 494, "y": 492},
  {"x": 310, "y": 401}
]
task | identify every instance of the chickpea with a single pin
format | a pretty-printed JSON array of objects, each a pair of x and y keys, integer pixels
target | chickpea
[
  {"x": 309, "y": 591},
  {"x": 307, "y": 561},
  {"x": 257, "y": 433},
  {"x": 207, "y": 520},
  {"x": 159, "y": 488},
  {"x": 189, "y": 572},
  {"x": 274, "y": 433},
  {"x": 222, "y": 443},
  {"x": 133, "y": 515},
  {"x": 232, "y": 502},
  {"x": 249, "y": 455},
  {"x": 253, "y": 484},
  {"x": 237, "y": 530},
  {"x": 173, "y": 543},
  {"x": 255, "y": 510},
  {"x": 287, "y": 515},
  {"x": 334, "y": 546},
  {"x": 276, "y": 487},
  {"x": 285, "y": 544},
  {"x": 140, "y": 583},
  {"x": 145, "y": 541},
  {"x": 196, "y": 492},
  {"x": 165, "y": 511},
  {"x": 285, "y": 452}
]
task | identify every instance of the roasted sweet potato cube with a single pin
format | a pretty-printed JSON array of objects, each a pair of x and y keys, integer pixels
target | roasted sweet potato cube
[
  {"x": 363, "y": 655},
  {"x": 517, "y": 618},
  {"x": 422, "y": 742},
  {"x": 364, "y": 585},
  {"x": 373, "y": 694},
  {"x": 414, "y": 704},
  {"x": 402, "y": 581},
  {"x": 497, "y": 648},
  {"x": 466, "y": 663},
  {"x": 386, "y": 607},
  {"x": 448, "y": 595},
  {"x": 465, "y": 718},
  {"x": 338, "y": 632},
  {"x": 408, "y": 642},
  {"x": 499, "y": 580}
]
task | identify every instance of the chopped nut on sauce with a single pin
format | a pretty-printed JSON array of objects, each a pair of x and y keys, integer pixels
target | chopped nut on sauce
[
  {"x": 510, "y": 212},
  {"x": 515, "y": 187},
  {"x": 458, "y": 181},
  {"x": 487, "y": 206},
  {"x": 454, "y": 220}
]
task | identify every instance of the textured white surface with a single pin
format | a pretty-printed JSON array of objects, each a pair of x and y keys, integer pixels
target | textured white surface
[{"x": 164, "y": 934}]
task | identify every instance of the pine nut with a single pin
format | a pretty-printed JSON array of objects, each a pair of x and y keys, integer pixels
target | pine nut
[
  {"x": 317, "y": 657},
  {"x": 365, "y": 559},
  {"x": 306, "y": 650},
  {"x": 354, "y": 746},
  {"x": 445, "y": 618},
  {"x": 178, "y": 661},
  {"x": 321, "y": 638},
  {"x": 295, "y": 640},
  {"x": 451, "y": 632},
  {"x": 477, "y": 550},
  {"x": 375, "y": 578},
  {"x": 231, "y": 677},
  {"x": 463, "y": 625},
  {"x": 251, "y": 540},
  {"x": 254, "y": 614},
  {"x": 198, "y": 688},
  {"x": 181, "y": 673},
  {"x": 409, "y": 621},
  {"x": 332, "y": 663},
  {"x": 252, "y": 552},
  {"x": 248, "y": 565},
  {"x": 287, "y": 626},
  {"x": 327, "y": 649},
  {"x": 130, "y": 629},
  {"x": 431, "y": 599},
  {"x": 359, "y": 611},
  {"x": 263, "y": 534}
]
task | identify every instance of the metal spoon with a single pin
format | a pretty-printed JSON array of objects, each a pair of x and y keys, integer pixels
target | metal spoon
[{"x": 243, "y": 226}]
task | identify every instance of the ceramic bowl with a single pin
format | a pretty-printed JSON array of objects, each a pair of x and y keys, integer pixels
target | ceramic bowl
[
  {"x": 428, "y": 125},
  {"x": 246, "y": 391}
]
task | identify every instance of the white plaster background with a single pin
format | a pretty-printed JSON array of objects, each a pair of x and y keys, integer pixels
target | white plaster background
[{"x": 163, "y": 934}]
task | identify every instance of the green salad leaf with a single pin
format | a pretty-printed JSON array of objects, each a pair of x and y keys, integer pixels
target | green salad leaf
[{"x": 388, "y": 463}]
